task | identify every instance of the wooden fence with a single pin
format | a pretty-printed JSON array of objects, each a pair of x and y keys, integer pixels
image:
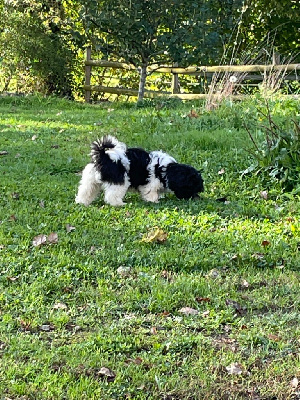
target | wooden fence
[{"x": 247, "y": 71}]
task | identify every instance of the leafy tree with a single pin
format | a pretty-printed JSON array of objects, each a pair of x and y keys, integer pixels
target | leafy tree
[
  {"x": 157, "y": 31},
  {"x": 278, "y": 19},
  {"x": 40, "y": 44}
]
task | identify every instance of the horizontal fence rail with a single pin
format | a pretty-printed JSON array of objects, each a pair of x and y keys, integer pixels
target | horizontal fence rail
[
  {"x": 175, "y": 71},
  {"x": 196, "y": 70}
]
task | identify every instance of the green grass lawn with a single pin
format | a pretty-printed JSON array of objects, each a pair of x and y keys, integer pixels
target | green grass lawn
[{"x": 210, "y": 313}]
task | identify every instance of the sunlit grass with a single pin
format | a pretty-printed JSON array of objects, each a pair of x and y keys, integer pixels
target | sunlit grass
[{"x": 102, "y": 297}]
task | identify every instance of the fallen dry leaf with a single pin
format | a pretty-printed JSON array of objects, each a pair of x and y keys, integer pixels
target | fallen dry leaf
[
  {"x": 236, "y": 306},
  {"x": 34, "y": 137},
  {"x": 225, "y": 342},
  {"x": 47, "y": 327},
  {"x": 244, "y": 283},
  {"x": 15, "y": 195},
  {"x": 52, "y": 238},
  {"x": 39, "y": 240},
  {"x": 153, "y": 330},
  {"x": 213, "y": 273},
  {"x": 25, "y": 325},
  {"x": 258, "y": 256},
  {"x": 43, "y": 239},
  {"x": 202, "y": 299},
  {"x": 124, "y": 271},
  {"x": 155, "y": 235},
  {"x": 70, "y": 228},
  {"x": 12, "y": 278},
  {"x": 12, "y": 218},
  {"x": 275, "y": 338},
  {"x": 294, "y": 383},
  {"x": 235, "y": 369},
  {"x": 265, "y": 243},
  {"x": 60, "y": 306},
  {"x": 138, "y": 361},
  {"x": 166, "y": 275},
  {"x": 107, "y": 373},
  {"x": 165, "y": 313},
  {"x": 222, "y": 171},
  {"x": 188, "y": 311},
  {"x": 193, "y": 114},
  {"x": 264, "y": 194}
]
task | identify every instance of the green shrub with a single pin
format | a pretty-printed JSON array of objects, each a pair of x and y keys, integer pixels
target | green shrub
[
  {"x": 278, "y": 155},
  {"x": 40, "y": 56}
]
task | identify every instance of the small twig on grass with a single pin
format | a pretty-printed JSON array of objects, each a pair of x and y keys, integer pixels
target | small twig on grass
[
  {"x": 269, "y": 116},
  {"x": 251, "y": 137},
  {"x": 297, "y": 127}
]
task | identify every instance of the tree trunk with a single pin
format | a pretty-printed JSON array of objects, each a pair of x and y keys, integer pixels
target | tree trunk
[{"x": 143, "y": 76}]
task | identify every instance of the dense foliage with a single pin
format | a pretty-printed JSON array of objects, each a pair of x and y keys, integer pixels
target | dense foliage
[
  {"x": 278, "y": 20},
  {"x": 160, "y": 31},
  {"x": 42, "y": 42},
  {"x": 37, "y": 48}
]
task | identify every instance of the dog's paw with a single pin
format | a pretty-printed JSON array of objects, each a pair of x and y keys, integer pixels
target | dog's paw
[
  {"x": 116, "y": 203},
  {"x": 80, "y": 201},
  {"x": 152, "y": 197}
]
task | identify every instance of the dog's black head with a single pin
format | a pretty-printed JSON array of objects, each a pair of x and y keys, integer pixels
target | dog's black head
[{"x": 185, "y": 181}]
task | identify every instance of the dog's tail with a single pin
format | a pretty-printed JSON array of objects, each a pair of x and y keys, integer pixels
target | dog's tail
[{"x": 107, "y": 146}]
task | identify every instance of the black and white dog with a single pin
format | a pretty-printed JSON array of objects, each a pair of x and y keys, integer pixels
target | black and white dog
[{"x": 115, "y": 169}]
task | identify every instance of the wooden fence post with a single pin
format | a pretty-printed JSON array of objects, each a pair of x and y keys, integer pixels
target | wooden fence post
[
  {"x": 276, "y": 58},
  {"x": 175, "y": 82},
  {"x": 88, "y": 73}
]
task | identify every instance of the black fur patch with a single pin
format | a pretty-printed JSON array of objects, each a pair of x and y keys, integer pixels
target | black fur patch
[
  {"x": 185, "y": 181},
  {"x": 111, "y": 171},
  {"x": 139, "y": 160},
  {"x": 159, "y": 174}
]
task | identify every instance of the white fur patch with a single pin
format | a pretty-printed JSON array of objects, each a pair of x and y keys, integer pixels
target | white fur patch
[
  {"x": 89, "y": 186},
  {"x": 151, "y": 191},
  {"x": 162, "y": 160},
  {"x": 117, "y": 153},
  {"x": 114, "y": 194}
]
